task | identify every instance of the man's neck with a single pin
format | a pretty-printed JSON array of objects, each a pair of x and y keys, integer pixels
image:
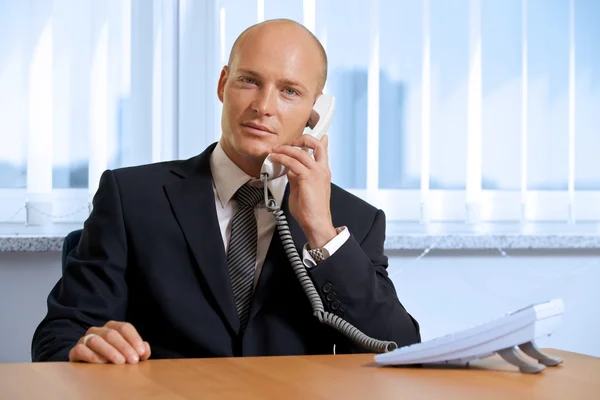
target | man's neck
[{"x": 250, "y": 165}]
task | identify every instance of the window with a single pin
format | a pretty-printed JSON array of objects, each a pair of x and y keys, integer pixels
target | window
[
  {"x": 400, "y": 94},
  {"x": 13, "y": 148},
  {"x": 447, "y": 110}
]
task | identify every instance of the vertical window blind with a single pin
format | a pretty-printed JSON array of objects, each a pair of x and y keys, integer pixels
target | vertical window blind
[{"x": 447, "y": 110}]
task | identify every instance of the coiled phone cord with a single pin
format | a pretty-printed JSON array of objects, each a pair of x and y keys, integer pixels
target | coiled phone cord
[{"x": 325, "y": 317}]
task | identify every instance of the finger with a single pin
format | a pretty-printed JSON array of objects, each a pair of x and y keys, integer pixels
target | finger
[
  {"x": 147, "y": 352},
  {"x": 130, "y": 334},
  {"x": 100, "y": 346},
  {"x": 116, "y": 340},
  {"x": 322, "y": 153},
  {"x": 291, "y": 163},
  {"x": 296, "y": 153},
  {"x": 81, "y": 353},
  {"x": 307, "y": 140},
  {"x": 312, "y": 142}
]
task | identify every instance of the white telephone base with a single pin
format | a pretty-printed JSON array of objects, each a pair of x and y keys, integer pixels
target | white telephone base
[{"x": 502, "y": 336}]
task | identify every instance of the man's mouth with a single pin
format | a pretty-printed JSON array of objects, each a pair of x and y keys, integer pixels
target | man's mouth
[{"x": 258, "y": 127}]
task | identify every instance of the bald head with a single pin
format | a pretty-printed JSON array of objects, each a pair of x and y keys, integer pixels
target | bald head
[{"x": 281, "y": 26}]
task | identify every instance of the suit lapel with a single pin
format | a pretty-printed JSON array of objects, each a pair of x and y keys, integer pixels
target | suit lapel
[
  {"x": 276, "y": 257},
  {"x": 193, "y": 203}
]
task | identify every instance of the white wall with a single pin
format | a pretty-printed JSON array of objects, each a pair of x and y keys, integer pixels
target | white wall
[
  {"x": 25, "y": 281},
  {"x": 452, "y": 290},
  {"x": 445, "y": 291}
]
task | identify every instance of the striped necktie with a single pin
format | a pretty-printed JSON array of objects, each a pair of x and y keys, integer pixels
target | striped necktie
[{"x": 241, "y": 254}]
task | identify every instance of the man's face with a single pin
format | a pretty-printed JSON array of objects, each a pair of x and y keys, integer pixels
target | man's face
[{"x": 268, "y": 91}]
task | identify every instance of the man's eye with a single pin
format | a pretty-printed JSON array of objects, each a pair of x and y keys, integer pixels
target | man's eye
[
  {"x": 290, "y": 92},
  {"x": 248, "y": 80}
]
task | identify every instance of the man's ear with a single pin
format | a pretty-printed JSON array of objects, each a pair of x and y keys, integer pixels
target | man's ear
[{"x": 222, "y": 81}]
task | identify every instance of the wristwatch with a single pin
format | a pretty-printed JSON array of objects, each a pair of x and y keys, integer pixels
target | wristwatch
[{"x": 320, "y": 254}]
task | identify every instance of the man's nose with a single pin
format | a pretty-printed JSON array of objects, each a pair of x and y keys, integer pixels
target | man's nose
[{"x": 265, "y": 102}]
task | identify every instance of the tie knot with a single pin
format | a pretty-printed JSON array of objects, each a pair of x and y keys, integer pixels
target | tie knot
[{"x": 249, "y": 196}]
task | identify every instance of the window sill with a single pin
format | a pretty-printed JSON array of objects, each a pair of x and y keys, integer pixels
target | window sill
[
  {"x": 461, "y": 236},
  {"x": 21, "y": 238},
  {"x": 400, "y": 236}
]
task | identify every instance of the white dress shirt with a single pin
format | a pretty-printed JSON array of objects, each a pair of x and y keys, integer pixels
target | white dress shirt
[{"x": 227, "y": 179}]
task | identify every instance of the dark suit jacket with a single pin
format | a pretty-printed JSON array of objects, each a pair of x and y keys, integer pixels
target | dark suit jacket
[{"x": 151, "y": 254}]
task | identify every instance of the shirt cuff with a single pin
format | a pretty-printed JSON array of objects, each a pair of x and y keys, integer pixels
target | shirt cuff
[{"x": 332, "y": 246}]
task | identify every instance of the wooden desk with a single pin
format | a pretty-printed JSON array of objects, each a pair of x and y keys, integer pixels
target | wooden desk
[{"x": 309, "y": 377}]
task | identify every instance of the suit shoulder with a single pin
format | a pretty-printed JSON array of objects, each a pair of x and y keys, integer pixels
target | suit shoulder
[
  {"x": 156, "y": 172},
  {"x": 351, "y": 199},
  {"x": 177, "y": 167},
  {"x": 342, "y": 200}
]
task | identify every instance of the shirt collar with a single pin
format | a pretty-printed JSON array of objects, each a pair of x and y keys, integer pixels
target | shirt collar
[{"x": 228, "y": 178}]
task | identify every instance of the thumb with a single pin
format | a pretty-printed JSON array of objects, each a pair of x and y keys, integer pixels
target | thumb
[{"x": 147, "y": 352}]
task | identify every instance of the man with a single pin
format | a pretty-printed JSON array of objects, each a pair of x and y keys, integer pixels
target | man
[{"x": 175, "y": 259}]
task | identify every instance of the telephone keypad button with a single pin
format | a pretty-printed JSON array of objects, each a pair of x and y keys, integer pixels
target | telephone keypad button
[
  {"x": 331, "y": 296},
  {"x": 327, "y": 288},
  {"x": 335, "y": 305}
]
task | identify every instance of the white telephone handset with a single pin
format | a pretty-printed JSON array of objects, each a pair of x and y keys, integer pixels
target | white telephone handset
[{"x": 318, "y": 123}]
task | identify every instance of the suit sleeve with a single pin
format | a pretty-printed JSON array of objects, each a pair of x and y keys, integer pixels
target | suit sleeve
[
  {"x": 92, "y": 289},
  {"x": 354, "y": 284}
]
